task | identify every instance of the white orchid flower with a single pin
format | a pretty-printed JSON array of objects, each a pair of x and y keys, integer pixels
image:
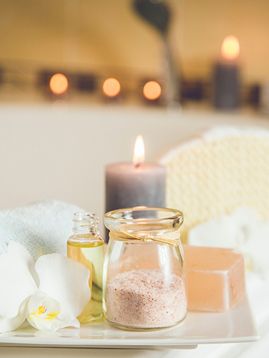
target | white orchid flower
[
  {"x": 50, "y": 293},
  {"x": 45, "y": 313}
]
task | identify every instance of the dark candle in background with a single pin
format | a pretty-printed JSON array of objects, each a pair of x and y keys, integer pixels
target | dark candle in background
[
  {"x": 264, "y": 98},
  {"x": 226, "y": 76},
  {"x": 135, "y": 184}
]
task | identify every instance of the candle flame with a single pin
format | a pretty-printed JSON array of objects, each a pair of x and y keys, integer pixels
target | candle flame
[
  {"x": 111, "y": 87},
  {"x": 152, "y": 90},
  {"x": 139, "y": 151},
  {"x": 230, "y": 48},
  {"x": 58, "y": 83}
]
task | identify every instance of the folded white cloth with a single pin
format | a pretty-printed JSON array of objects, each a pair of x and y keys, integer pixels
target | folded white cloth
[
  {"x": 243, "y": 230},
  {"x": 42, "y": 227}
]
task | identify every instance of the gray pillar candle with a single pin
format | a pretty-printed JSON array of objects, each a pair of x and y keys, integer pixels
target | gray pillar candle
[
  {"x": 128, "y": 186},
  {"x": 226, "y": 76},
  {"x": 135, "y": 184}
]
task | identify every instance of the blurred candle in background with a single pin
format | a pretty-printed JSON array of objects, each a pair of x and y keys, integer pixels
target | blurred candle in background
[
  {"x": 264, "y": 98},
  {"x": 58, "y": 84},
  {"x": 111, "y": 88},
  {"x": 152, "y": 91},
  {"x": 226, "y": 76},
  {"x": 135, "y": 184}
]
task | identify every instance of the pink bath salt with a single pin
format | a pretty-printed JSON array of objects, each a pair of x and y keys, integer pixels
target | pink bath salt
[
  {"x": 215, "y": 278},
  {"x": 145, "y": 299}
]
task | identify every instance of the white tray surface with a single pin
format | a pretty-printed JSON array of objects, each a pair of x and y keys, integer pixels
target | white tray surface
[{"x": 236, "y": 325}]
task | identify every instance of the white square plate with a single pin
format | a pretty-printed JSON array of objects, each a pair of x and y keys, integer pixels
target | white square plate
[{"x": 236, "y": 325}]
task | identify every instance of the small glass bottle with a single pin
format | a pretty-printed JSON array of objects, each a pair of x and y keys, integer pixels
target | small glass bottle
[{"x": 87, "y": 246}]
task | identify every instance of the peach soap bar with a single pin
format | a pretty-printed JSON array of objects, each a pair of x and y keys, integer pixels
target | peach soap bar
[{"x": 215, "y": 278}]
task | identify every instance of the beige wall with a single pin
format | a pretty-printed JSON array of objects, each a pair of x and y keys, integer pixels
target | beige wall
[
  {"x": 59, "y": 152},
  {"x": 106, "y": 34}
]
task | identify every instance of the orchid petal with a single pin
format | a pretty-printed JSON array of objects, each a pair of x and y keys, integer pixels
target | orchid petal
[
  {"x": 11, "y": 324},
  {"x": 64, "y": 280},
  {"x": 44, "y": 313},
  {"x": 16, "y": 282}
]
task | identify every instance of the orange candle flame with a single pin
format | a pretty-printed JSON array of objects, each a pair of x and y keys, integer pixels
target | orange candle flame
[
  {"x": 111, "y": 87},
  {"x": 152, "y": 90},
  {"x": 230, "y": 48},
  {"x": 58, "y": 84}
]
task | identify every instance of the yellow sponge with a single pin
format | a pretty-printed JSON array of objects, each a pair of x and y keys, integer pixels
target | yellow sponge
[{"x": 221, "y": 170}]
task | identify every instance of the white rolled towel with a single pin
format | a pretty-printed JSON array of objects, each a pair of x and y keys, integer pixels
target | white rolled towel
[{"x": 42, "y": 227}]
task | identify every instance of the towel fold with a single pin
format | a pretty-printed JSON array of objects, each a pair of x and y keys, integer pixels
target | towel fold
[
  {"x": 42, "y": 227},
  {"x": 243, "y": 230}
]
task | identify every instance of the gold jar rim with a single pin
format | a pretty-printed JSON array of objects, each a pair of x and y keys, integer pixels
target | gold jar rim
[
  {"x": 121, "y": 215},
  {"x": 144, "y": 223}
]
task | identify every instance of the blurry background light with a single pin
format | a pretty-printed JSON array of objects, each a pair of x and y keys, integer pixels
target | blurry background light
[
  {"x": 58, "y": 84},
  {"x": 152, "y": 90},
  {"x": 111, "y": 87},
  {"x": 230, "y": 48}
]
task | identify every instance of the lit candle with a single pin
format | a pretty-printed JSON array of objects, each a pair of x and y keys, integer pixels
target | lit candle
[
  {"x": 226, "y": 76},
  {"x": 58, "y": 84},
  {"x": 152, "y": 92},
  {"x": 111, "y": 88},
  {"x": 135, "y": 184}
]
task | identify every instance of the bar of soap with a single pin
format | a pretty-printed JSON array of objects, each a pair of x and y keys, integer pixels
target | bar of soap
[{"x": 215, "y": 278}]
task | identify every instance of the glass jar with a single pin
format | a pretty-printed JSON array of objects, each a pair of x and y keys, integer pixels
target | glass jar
[
  {"x": 143, "y": 269},
  {"x": 87, "y": 246}
]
